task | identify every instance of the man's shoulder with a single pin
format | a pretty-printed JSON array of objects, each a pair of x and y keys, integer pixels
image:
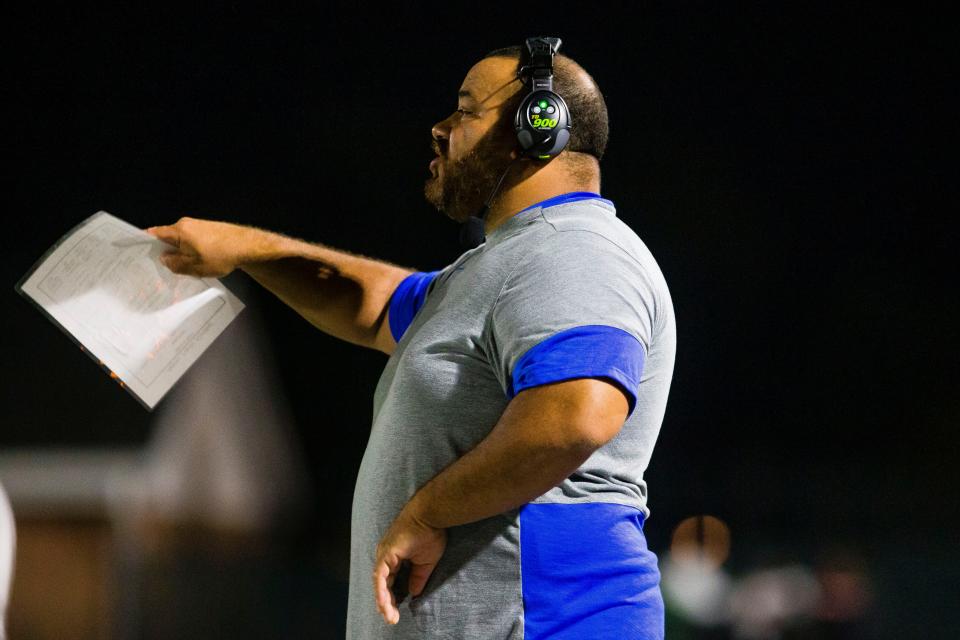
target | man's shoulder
[{"x": 591, "y": 228}]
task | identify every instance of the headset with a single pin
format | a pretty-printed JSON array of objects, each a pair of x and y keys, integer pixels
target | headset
[
  {"x": 542, "y": 123},
  {"x": 542, "y": 120}
]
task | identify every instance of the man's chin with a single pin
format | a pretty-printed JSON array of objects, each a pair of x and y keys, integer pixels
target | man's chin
[{"x": 433, "y": 194}]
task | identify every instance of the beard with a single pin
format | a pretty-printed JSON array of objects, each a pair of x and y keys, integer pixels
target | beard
[{"x": 460, "y": 191}]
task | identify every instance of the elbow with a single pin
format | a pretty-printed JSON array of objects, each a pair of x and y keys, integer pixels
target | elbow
[
  {"x": 588, "y": 436},
  {"x": 573, "y": 443}
]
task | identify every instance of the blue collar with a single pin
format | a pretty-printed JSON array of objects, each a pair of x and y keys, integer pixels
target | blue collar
[
  {"x": 523, "y": 216},
  {"x": 564, "y": 198}
]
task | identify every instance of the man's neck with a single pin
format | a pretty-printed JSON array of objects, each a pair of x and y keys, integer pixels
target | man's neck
[{"x": 530, "y": 192}]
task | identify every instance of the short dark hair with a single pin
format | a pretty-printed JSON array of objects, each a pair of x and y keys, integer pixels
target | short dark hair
[{"x": 588, "y": 111}]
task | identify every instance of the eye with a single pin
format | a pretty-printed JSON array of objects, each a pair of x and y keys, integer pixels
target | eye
[{"x": 464, "y": 112}]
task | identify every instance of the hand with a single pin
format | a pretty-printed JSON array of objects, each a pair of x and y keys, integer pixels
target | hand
[
  {"x": 407, "y": 539},
  {"x": 203, "y": 248}
]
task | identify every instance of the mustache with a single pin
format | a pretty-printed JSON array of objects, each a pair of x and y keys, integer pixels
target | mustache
[{"x": 435, "y": 146}]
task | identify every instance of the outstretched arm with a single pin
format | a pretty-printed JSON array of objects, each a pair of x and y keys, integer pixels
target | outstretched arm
[{"x": 340, "y": 293}]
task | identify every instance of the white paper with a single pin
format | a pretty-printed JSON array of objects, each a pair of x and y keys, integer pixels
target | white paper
[{"x": 104, "y": 285}]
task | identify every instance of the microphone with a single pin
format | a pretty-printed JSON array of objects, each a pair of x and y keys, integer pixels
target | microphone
[{"x": 472, "y": 232}]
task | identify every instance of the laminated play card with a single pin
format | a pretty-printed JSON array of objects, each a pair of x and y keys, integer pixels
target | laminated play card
[{"x": 104, "y": 286}]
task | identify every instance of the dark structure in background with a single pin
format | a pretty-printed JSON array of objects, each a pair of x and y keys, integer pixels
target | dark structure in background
[{"x": 782, "y": 165}]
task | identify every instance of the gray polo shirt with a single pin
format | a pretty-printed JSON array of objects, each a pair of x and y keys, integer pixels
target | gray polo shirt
[{"x": 563, "y": 289}]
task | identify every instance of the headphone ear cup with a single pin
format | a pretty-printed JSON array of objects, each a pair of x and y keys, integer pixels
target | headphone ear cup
[
  {"x": 563, "y": 137},
  {"x": 525, "y": 138},
  {"x": 524, "y": 135},
  {"x": 542, "y": 123}
]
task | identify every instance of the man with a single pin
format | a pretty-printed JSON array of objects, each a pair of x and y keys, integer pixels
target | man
[{"x": 501, "y": 494}]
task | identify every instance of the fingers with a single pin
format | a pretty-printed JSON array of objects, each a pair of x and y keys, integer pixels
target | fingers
[
  {"x": 203, "y": 248},
  {"x": 386, "y": 603},
  {"x": 168, "y": 234},
  {"x": 419, "y": 574},
  {"x": 180, "y": 263}
]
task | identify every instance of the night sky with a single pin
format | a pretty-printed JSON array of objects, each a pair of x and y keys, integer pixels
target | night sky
[{"x": 785, "y": 168}]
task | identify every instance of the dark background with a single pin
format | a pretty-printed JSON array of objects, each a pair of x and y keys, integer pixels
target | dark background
[{"x": 785, "y": 167}]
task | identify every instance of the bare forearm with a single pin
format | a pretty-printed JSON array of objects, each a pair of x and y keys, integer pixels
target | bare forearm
[
  {"x": 340, "y": 293},
  {"x": 508, "y": 468}
]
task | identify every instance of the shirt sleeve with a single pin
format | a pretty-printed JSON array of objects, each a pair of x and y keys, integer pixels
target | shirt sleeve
[
  {"x": 577, "y": 306},
  {"x": 407, "y": 299}
]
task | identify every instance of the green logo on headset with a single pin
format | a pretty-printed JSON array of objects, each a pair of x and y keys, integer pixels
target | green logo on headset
[{"x": 543, "y": 123}]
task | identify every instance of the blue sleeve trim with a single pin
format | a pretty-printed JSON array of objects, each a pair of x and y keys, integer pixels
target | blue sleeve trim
[
  {"x": 407, "y": 299},
  {"x": 586, "y": 572},
  {"x": 587, "y": 351}
]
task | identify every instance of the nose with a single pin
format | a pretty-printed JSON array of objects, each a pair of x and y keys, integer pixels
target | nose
[{"x": 441, "y": 130}]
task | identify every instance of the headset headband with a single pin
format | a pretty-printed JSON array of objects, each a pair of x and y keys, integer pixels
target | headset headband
[{"x": 538, "y": 62}]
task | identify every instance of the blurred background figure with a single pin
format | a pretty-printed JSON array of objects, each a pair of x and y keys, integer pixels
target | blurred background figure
[
  {"x": 769, "y": 602},
  {"x": 696, "y": 587},
  {"x": 7, "y": 543},
  {"x": 846, "y": 603},
  {"x": 222, "y": 456},
  {"x": 183, "y": 536},
  {"x": 222, "y": 482},
  {"x": 771, "y": 596}
]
